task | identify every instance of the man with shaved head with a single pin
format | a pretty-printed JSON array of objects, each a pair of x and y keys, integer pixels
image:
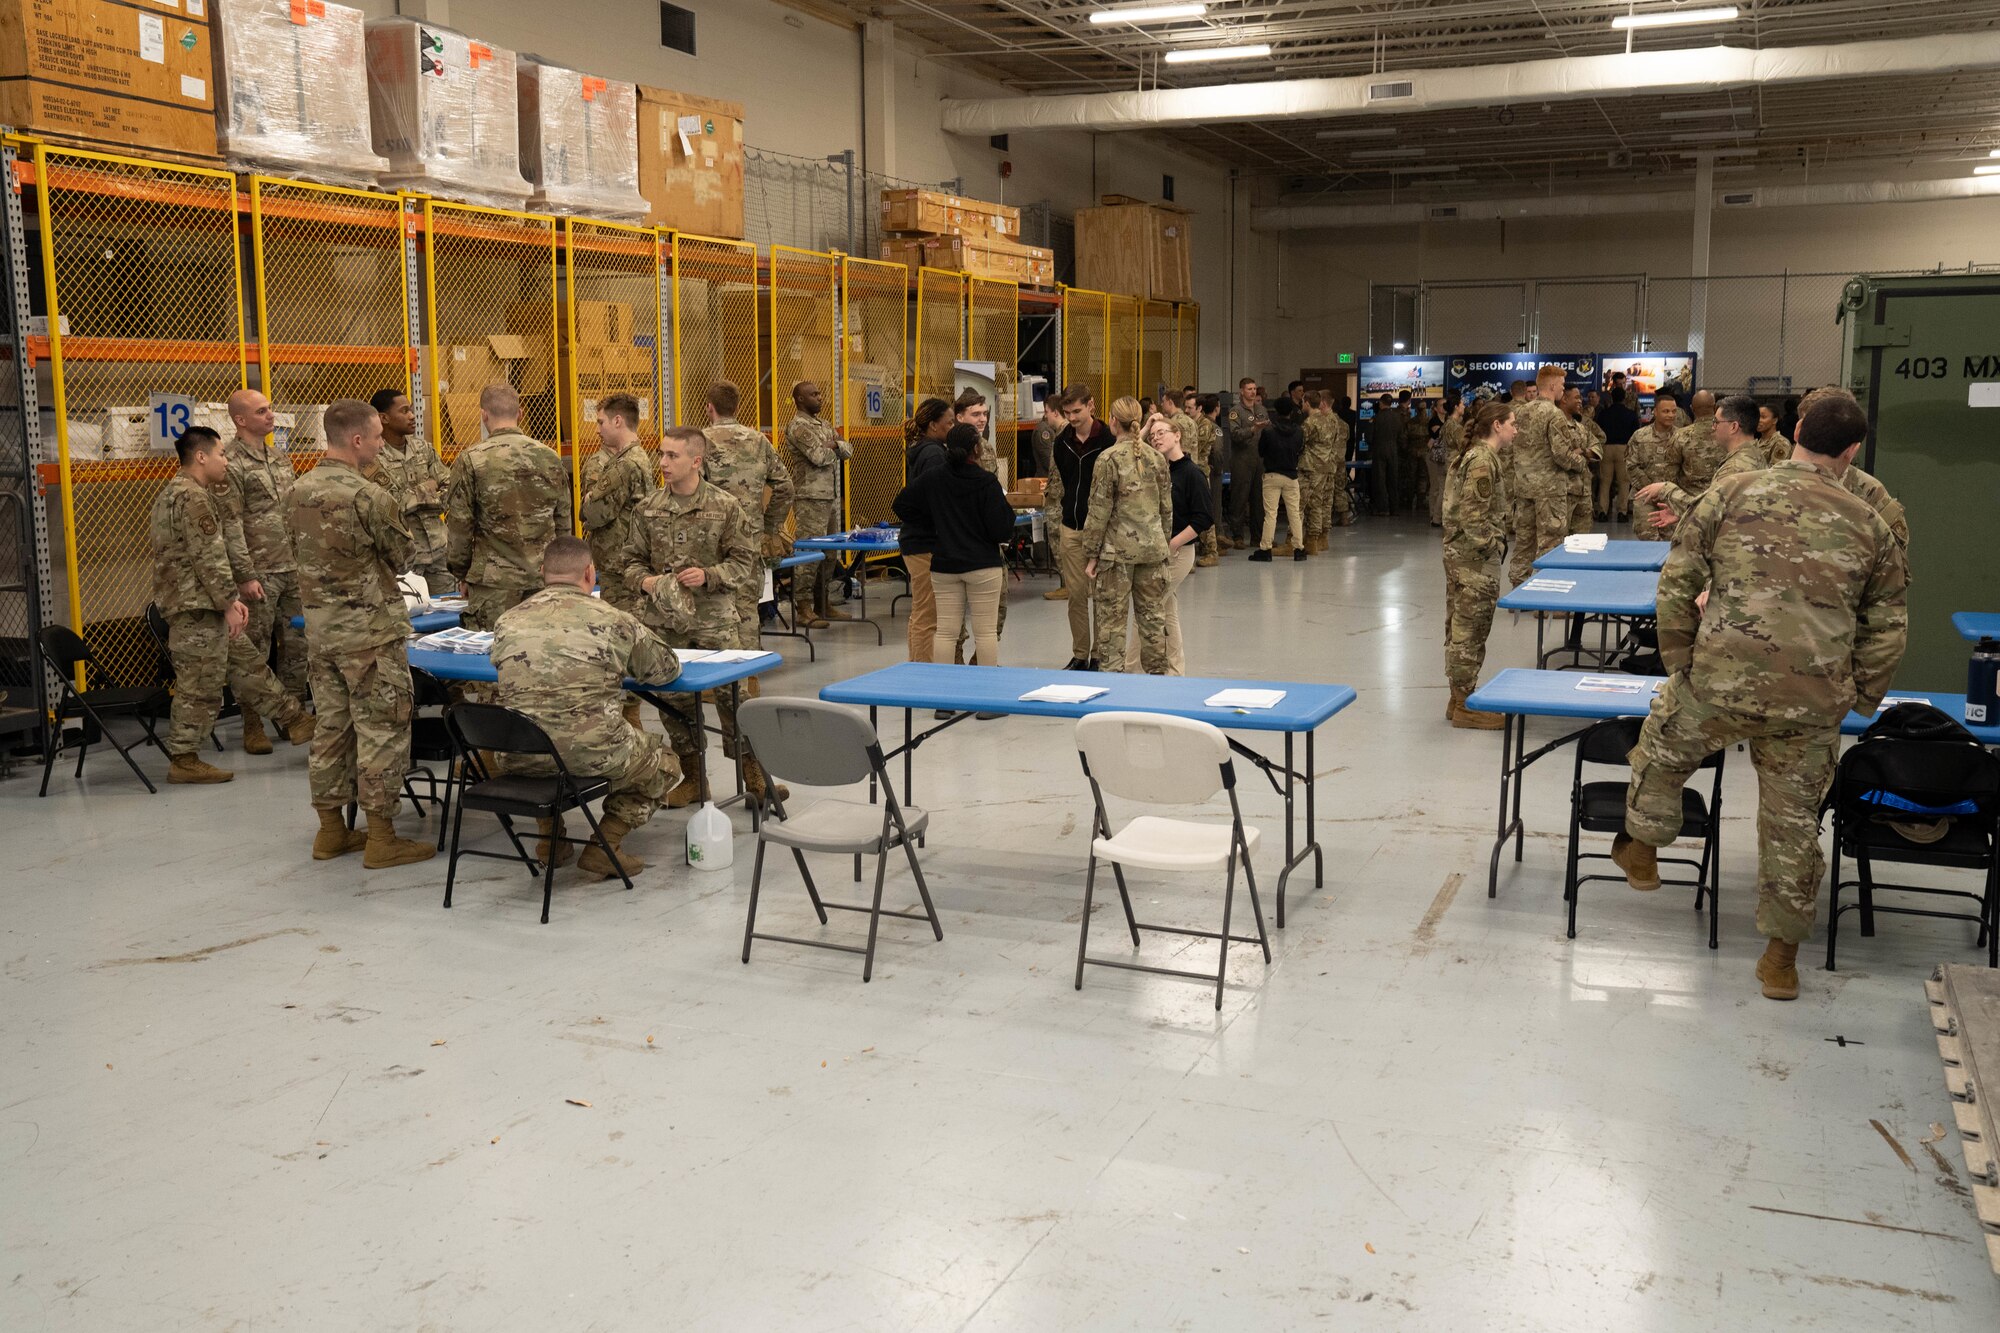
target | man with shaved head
[
  {"x": 257, "y": 493},
  {"x": 1701, "y": 452}
]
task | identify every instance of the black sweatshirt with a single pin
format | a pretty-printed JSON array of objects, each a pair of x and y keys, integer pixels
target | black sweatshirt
[
  {"x": 919, "y": 537},
  {"x": 1192, "y": 505},
  {"x": 964, "y": 508},
  {"x": 1076, "y": 464},
  {"x": 1280, "y": 446}
]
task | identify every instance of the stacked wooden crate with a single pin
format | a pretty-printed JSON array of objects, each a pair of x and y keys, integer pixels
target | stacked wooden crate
[
  {"x": 930, "y": 229},
  {"x": 1129, "y": 245}
]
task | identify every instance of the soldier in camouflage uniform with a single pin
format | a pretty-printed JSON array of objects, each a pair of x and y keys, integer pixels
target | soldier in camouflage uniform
[
  {"x": 812, "y": 455},
  {"x": 1777, "y": 446},
  {"x": 1581, "y": 512},
  {"x": 1653, "y": 455},
  {"x": 1476, "y": 521},
  {"x": 616, "y": 480},
  {"x": 255, "y": 494},
  {"x": 351, "y": 545},
  {"x": 1322, "y": 470},
  {"x": 1411, "y": 475},
  {"x": 1804, "y": 619},
  {"x": 1208, "y": 456},
  {"x": 1863, "y": 484},
  {"x": 743, "y": 463},
  {"x": 1735, "y": 420},
  {"x": 1701, "y": 452},
  {"x": 1549, "y": 462},
  {"x": 691, "y": 551},
  {"x": 510, "y": 494},
  {"x": 1245, "y": 467},
  {"x": 1044, "y": 443},
  {"x": 1125, "y": 545},
  {"x": 194, "y": 587},
  {"x": 410, "y": 469},
  {"x": 563, "y": 658}
]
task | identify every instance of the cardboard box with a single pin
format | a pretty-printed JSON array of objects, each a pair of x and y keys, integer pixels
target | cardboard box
[
  {"x": 130, "y": 78},
  {"x": 938, "y": 214},
  {"x": 1135, "y": 248},
  {"x": 538, "y": 368},
  {"x": 445, "y": 110},
  {"x": 603, "y": 322},
  {"x": 691, "y": 162},
  {"x": 293, "y": 85},
  {"x": 462, "y": 425},
  {"x": 531, "y": 319},
  {"x": 580, "y": 142}
]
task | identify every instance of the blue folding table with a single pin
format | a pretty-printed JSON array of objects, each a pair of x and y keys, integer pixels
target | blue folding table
[
  {"x": 1976, "y": 625},
  {"x": 424, "y": 622},
  {"x": 1519, "y": 694},
  {"x": 1626, "y": 555},
  {"x": 787, "y": 618},
  {"x": 850, "y": 555},
  {"x": 966, "y": 690},
  {"x": 1626, "y": 598}
]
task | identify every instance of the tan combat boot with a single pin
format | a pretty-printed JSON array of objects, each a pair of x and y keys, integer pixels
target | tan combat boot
[
  {"x": 754, "y": 781},
  {"x": 192, "y": 769},
  {"x": 335, "y": 838},
  {"x": 595, "y": 862},
  {"x": 254, "y": 739},
  {"x": 384, "y": 849},
  {"x": 805, "y": 617},
  {"x": 1207, "y": 561},
  {"x": 1778, "y": 969},
  {"x": 1641, "y": 864},
  {"x": 1466, "y": 720},
  {"x": 299, "y": 728},
  {"x": 827, "y": 611},
  {"x": 1283, "y": 552},
  {"x": 1056, "y": 594},
  {"x": 556, "y": 853},
  {"x": 688, "y": 791}
]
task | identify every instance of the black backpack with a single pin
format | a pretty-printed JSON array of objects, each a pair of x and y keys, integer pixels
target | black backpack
[{"x": 1914, "y": 720}]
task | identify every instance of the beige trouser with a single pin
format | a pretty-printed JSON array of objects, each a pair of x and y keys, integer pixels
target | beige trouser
[
  {"x": 978, "y": 592},
  {"x": 1612, "y": 481},
  {"x": 923, "y": 607},
  {"x": 1282, "y": 489},
  {"x": 1179, "y": 564},
  {"x": 1070, "y": 558}
]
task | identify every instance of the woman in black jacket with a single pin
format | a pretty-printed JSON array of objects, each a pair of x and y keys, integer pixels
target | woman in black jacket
[
  {"x": 923, "y": 451},
  {"x": 962, "y": 506}
]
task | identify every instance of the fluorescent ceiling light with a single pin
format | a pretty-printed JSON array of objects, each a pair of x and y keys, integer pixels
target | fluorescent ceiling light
[
  {"x": 1986, "y": 171},
  {"x": 1379, "y": 132},
  {"x": 1149, "y": 14},
  {"x": 1397, "y": 346},
  {"x": 1378, "y": 154},
  {"x": 1705, "y": 113},
  {"x": 1219, "y": 53},
  {"x": 1994, "y": 153},
  {"x": 1675, "y": 18}
]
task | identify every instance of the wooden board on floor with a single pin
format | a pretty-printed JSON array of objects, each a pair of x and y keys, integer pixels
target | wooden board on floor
[{"x": 1965, "y": 1010}]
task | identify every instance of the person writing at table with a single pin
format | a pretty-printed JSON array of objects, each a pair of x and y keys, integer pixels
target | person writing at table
[
  {"x": 963, "y": 505},
  {"x": 1194, "y": 517},
  {"x": 1125, "y": 544}
]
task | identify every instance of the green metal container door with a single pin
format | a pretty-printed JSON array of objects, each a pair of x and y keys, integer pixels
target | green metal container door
[{"x": 1924, "y": 353}]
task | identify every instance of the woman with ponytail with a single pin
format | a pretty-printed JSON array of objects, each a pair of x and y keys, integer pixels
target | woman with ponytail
[
  {"x": 966, "y": 511},
  {"x": 923, "y": 450},
  {"x": 1125, "y": 545}
]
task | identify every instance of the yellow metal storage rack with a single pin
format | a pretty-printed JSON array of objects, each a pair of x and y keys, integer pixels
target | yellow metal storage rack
[
  {"x": 715, "y": 326},
  {"x": 488, "y": 271},
  {"x": 875, "y": 378}
]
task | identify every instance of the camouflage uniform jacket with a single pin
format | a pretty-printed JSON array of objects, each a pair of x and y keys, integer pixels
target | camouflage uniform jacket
[
  {"x": 708, "y": 530},
  {"x": 1453, "y": 437},
  {"x": 1184, "y": 427},
  {"x": 1548, "y": 451},
  {"x": 191, "y": 569},
  {"x": 1805, "y": 616},
  {"x": 1700, "y": 455},
  {"x": 417, "y": 477},
  {"x": 258, "y": 492},
  {"x": 1323, "y": 443},
  {"x": 613, "y": 487},
  {"x": 509, "y": 496},
  {"x": 1871, "y": 489},
  {"x": 742, "y": 462},
  {"x": 1131, "y": 506},
  {"x": 1652, "y": 455},
  {"x": 1776, "y": 449},
  {"x": 1416, "y": 432},
  {"x": 1045, "y": 446},
  {"x": 1477, "y": 516},
  {"x": 812, "y": 457},
  {"x": 563, "y": 658},
  {"x": 1747, "y": 458},
  {"x": 1246, "y": 424},
  {"x": 351, "y": 545},
  {"x": 1206, "y": 433}
]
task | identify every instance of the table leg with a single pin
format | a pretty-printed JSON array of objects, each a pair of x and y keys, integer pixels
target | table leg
[
  {"x": 1508, "y": 779},
  {"x": 1312, "y": 836}
]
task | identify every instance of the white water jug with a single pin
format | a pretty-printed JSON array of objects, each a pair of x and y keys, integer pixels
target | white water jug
[{"x": 711, "y": 839}]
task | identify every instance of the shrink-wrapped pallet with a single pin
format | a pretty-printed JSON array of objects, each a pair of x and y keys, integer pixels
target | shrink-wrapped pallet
[
  {"x": 580, "y": 142},
  {"x": 445, "y": 113},
  {"x": 292, "y": 96}
]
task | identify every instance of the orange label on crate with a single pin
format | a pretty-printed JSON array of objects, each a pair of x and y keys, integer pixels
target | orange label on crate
[
  {"x": 304, "y": 11},
  {"x": 479, "y": 53},
  {"x": 592, "y": 86}
]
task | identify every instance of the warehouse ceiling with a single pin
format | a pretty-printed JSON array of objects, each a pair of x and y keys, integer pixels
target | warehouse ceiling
[{"x": 1846, "y": 127}]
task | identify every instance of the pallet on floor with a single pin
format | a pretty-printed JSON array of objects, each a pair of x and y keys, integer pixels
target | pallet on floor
[{"x": 1965, "y": 1010}]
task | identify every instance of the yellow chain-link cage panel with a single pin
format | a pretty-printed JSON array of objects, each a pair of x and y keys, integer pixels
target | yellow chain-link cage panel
[
  {"x": 1158, "y": 356},
  {"x": 1121, "y": 343},
  {"x": 489, "y": 273},
  {"x": 993, "y": 333},
  {"x": 1083, "y": 343},
  {"x": 1187, "y": 345},
  {"x": 940, "y": 333},
  {"x": 805, "y": 308},
  {"x": 332, "y": 314},
  {"x": 611, "y": 331},
  {"x": 141, "y": 272},
  {"x": 875, "y": 377},
  {"x": 715, "y": 326}
]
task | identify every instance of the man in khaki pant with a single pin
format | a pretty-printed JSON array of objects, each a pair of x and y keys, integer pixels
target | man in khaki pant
[{"x": 1076, "y": 451}]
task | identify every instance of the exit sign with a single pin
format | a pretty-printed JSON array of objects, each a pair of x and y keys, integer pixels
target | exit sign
[{"x": 1344, "y": 358}]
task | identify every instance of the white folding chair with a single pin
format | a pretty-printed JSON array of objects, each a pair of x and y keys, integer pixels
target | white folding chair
[{"x": 1162, "y": 760}]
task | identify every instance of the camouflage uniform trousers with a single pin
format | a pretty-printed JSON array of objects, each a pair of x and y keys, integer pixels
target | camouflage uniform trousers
[
  {"x": 1540, "y": 524},
  {"x": 1323, "y": 499},
  {"x": 1470, "y": 592},
  {"x": 1581, "y": 515},
  {"x": 1794, "y": 762},
  {"x": 641, "y": 772},
  {"x": 272, "y": 619},
  {"x": 204, "y": 657},
  {"x": 361, "y": 745},
  {"x": 1145, "y": 588},
  {"x": 484, "y": 603},
  {"x": 1211, "y": 544},
  {"x": 810, "y": 583}
]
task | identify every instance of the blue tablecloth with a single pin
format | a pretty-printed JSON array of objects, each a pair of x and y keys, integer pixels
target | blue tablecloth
[
  {"x": 999, "y": 690},
  {"x": 1976, "y": 625},
  {"x": 1615, "y": 555},
  {"x": 1596, "y": 592},
  {"x": 695, "y": 676},
  {"x": 430, "y": 622}
]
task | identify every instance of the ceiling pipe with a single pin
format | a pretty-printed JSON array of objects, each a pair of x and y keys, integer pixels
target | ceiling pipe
[
  {"x": 1320, "y": 217},
  {"x": 1694, "y": 69}
]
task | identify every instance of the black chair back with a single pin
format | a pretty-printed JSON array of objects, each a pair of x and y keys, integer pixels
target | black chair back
[
  {"x": 430, "y": 691},
  {"x": 501, "y": 730},
  {"x": 1611, "y": 742},
  {"x": 1934, "y": 773},
  {"x": 65, "y": 650}
]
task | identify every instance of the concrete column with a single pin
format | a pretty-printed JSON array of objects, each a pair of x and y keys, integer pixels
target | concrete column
[
  {"x": 1704, "y": 206},
  {"x": 878, "y": 96}
]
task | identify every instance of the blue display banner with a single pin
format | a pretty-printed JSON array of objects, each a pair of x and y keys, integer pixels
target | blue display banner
[{"x": 1479, "y": 377}]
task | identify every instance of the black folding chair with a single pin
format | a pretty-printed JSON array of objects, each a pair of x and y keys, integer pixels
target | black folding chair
[
  {"x": 501, "y": 731},
  {"x": 95, "y": 706},
  {"x": 430, "y": 743},
  {"x": 156, "y": 624},
  {"x": 1599, "y": 807},
  {"x": 1938, "y": 774}
]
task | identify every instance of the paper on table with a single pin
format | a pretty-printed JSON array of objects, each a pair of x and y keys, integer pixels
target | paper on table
[
  {"x": 1064, "y": 694},
  {"x": 1549, "y": 585},
  {"x": 1585, "y": 541},
  {"x": 1617, "y": 685},
  {"x": 458, "y": 640},
  {"x": 1244, "y": 698},
  {"x": 732, "y": 655}
]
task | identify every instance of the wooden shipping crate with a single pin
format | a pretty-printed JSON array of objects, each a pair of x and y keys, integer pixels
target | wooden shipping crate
[
  {"x": 122, "y": 78},
  {"x": 933, "y": 213},
  {"x": 1137, "y": 248},
  {"x": 981, "y": 256}
]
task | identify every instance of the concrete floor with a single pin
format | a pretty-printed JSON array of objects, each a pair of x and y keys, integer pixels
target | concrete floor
[{"x": 245, "y": 1090}]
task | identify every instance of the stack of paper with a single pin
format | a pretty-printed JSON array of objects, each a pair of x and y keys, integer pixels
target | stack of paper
[
  {"x": 1585, "y": 541},
  {"x": 1244, "y": 698},
  {"x": 458, "y": 640},
  {"x": 1617, "y": 684},
  {"x": 1063, "y": 694},
  {"x": 718, "y": 654},
  {"x": 1548, "y": 585}
]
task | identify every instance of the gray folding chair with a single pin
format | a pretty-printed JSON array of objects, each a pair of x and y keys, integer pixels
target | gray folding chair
[
  {"x": 813, "y": 744},
  {"x": 1163, "y": 760}
]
